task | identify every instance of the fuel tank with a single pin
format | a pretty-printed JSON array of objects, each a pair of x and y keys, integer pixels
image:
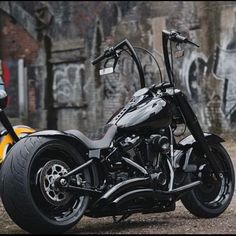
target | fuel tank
[{"x": 145, "y": 112}]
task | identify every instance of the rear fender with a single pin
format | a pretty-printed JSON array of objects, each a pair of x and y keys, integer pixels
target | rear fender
[
  {"x": 61, "y": 135},
  {"x": 187, "y": 145},
  {"x": 76, "y": 142}
]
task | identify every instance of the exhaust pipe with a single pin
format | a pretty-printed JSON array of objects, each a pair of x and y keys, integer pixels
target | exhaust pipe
[
  {"x": 116, "y": 190},
  {"x": 151, "y": 193}
]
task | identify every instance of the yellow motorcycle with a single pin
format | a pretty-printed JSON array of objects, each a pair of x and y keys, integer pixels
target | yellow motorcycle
[{"x": 11, "y": 134}]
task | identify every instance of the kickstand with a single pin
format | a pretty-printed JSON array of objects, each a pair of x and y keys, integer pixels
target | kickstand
[{"x": 122, "y": 218}]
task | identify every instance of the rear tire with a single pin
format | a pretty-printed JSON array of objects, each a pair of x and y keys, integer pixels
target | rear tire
[
  {"x": 212, "y": 197},
  {"x": 27, "y": 187}
]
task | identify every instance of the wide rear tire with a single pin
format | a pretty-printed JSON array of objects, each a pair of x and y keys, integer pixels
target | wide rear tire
[{"x": 27, "y": 187}]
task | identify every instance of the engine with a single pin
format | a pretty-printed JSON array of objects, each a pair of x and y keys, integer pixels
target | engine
[
  {"x": 145, "y": 150},
  {"x": 150, "y": 153}
]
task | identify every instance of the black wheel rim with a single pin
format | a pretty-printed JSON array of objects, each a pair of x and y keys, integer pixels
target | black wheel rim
[
  {"x": 74, "y": 207},
  {"x": 215, "y": 193}
]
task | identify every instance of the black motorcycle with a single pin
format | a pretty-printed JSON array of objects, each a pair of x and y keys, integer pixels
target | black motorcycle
[{"x": 50, "y": 178}]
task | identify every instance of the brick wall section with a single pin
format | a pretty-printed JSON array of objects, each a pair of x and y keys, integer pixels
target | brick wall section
[{"x": 16, "y": 42}]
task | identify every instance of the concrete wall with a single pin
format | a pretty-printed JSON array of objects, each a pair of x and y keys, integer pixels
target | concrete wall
[{"x": 61, "y": 39}]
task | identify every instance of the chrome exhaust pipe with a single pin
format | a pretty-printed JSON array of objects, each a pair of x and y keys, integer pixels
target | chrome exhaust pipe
[
  {"x": 148, "y": 192},
  {"x": 116, "y": 190}
]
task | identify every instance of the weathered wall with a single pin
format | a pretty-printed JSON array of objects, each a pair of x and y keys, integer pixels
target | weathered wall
[{"x": 65, "y": 90}]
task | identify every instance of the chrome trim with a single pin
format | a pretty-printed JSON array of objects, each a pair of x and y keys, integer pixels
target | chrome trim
[
  {"x": 188, "y": 154},
  {"x": 171, "y": 175},
  {"x": 135, "y": 165}
]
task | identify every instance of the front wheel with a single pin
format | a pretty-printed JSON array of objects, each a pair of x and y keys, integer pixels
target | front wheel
[
  {"x": 214, "y": 196},
  {"x": 29, "y": 192}
]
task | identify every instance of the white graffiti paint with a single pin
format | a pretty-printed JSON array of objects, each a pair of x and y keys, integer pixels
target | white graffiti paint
[
  {"x": 214, "y": 113},
  {"x": 68, "y": 85},
  {"x": 226, "y": 64},
  {"x": 192, "y": 78},
  {"x": 225, "y": 70}
]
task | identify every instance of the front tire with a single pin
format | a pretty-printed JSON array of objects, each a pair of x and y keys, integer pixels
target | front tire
[
  {"x": 214, "y": 196},
  {"x": 27, "y": 187}
]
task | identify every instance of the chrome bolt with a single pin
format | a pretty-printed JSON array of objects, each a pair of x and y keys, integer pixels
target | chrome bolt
[
  {"x": 63, "y": 182},
  {"x": 221, "y": 175}
]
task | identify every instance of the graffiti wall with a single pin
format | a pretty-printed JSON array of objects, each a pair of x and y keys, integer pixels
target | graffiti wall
[
  {"x": 78, "y": 94},
  {"x": 68, "y": 85},
  {"x": 206, "y": 74},
  {"x": 209, "y": 78},
  {"x": 225, "y": 70},
  {"x": 121, "y": 85}
]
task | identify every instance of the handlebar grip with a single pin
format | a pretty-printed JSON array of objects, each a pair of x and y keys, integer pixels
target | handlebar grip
[
  {"x": 176, "y": 37},
  {"x": 98, "y": 59},
  {"x": 180, "y": 39}
]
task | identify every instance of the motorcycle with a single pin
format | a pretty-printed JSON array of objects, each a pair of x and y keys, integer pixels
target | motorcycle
[
  {"x": 52, "y": 178},
  {"x": 11, "y": 134}
]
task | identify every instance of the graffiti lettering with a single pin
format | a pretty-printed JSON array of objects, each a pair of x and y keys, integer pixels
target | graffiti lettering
[
  {"x": 68, "y": 85},
  {"x": 225, "y": 70},
  {"x": 193, "y": 71},
  {"x": 222, "y": 68}
]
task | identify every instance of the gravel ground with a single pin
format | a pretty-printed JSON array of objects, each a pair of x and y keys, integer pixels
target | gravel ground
[{"x": 179, "y": 221}]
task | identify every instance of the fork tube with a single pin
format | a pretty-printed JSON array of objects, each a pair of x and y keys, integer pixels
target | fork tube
[
  {"x": 196, "y": 131},
  {"x": 7, "y": 125},
  {"x": 171, "y": 146},
  {"x": 171, "y": 175}
]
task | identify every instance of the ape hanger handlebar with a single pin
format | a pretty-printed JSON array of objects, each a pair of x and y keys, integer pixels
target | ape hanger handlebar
[
  {"x": 114, "y": 52},
  {"x": 173, "y": 36}
]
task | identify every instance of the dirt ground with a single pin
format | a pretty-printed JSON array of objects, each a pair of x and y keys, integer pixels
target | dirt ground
[{"x": 179, "y": 221}]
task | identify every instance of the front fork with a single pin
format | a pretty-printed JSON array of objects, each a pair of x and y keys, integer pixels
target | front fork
[
  {"x": 7, "y": 125},
  {"x": 196, "y": 130}
]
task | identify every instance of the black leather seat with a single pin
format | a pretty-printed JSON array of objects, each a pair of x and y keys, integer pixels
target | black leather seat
[{"x": 102, "y": 143}]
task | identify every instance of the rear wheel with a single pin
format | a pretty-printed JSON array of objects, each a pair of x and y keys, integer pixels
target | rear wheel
[
  {"x": 29, "y": 191},
  {"x": 214, "y": 196}
]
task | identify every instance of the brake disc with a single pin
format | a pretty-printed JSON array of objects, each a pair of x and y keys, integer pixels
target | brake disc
[{"x": 48, "y": 174}]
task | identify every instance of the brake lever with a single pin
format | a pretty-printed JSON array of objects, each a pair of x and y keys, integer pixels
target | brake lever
[
  {"x": 175, "y": 36},
  {"x": 194, "y": 44},
  {"x": 116, "y": 60},
  {"x": 105, "y": 64}
]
